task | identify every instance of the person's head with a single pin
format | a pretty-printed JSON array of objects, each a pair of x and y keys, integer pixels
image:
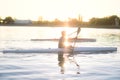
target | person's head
[{"x": 63, "y": 33}]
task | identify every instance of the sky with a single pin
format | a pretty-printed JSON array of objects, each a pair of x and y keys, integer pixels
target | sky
[{"x": 61, "y": 9}]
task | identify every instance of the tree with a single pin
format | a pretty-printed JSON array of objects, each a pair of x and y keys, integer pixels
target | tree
[
  {"x": 73, "y": 21},
  {"x": 8, "y": 20},
  {"x": 103, "y": 21},
  {"x": 1, "y": 20},
  {"x": 57, "y": 22},
  {"x": 112, "y": 19}
]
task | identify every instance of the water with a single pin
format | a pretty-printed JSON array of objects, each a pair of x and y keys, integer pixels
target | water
[{"x": 39, "y": 66}]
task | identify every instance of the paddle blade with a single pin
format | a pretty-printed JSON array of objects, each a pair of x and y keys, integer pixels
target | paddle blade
[{"x": 78, "y": 31}]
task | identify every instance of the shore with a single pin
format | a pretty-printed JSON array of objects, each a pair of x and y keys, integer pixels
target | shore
[{"x": 83, "y": 26}]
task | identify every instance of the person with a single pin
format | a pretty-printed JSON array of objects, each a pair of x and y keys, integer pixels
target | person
[
  {"x": 62, "y": 40},
  {"x": 61, "y": 56}
]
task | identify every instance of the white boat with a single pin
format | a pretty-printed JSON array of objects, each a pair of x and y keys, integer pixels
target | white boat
[
  {"x": 71, "y": 39},
  {"x": 56, "y": 50}
]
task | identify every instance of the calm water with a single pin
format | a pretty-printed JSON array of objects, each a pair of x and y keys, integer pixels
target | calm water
[{"x": 102, "y": 66}]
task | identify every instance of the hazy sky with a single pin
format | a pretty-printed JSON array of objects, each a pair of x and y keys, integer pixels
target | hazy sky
[{"x": 62, "y": 9}]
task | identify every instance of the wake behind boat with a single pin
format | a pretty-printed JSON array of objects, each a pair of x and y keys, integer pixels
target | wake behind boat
[
  {"x": 56, "y": 50},
  {"x": 71, "y": 39}
]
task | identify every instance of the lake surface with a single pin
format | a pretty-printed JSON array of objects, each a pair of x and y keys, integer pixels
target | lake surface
[{"x": 40, "y": 66}]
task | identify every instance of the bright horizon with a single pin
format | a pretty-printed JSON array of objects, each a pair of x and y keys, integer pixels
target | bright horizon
[{"x": 61, "y": 9}]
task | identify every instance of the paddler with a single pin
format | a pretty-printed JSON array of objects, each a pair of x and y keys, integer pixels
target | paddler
[{"x": 63, "y": 43}]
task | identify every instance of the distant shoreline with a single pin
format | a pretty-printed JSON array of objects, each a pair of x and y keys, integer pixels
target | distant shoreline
[{"x": 83, "y": 26}]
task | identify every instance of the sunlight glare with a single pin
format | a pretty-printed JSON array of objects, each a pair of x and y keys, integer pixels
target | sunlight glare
[{"x": 66, "y": 43}]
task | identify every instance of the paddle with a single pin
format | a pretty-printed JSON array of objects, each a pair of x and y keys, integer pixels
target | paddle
[
  {"x": 72, "y": 33},
  {"x": 78, "y": 31}
]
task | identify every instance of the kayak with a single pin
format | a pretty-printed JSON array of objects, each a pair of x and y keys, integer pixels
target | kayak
[
  {"x": 71, "y": 39},
  {"x": 56, "y": 50}
]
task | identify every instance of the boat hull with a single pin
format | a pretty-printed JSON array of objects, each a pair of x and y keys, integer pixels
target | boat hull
[
  {"x": 71, "y": 39},
  {"x": 56, "y": 50}
]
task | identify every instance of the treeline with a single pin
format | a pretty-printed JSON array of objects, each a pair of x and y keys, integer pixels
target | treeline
[
  {"x": 107, "y": 22},
  {"x": 104, "y": 22},
  {"x": 111, "y": 20},
  {"x": 71, "y": 22}
]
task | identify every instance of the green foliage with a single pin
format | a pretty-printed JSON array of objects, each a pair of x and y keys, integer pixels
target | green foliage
[
  {"x": 1, "y": 20},
  {"x": 104, "y": 21},
  {"x": 8, "y": 20}
]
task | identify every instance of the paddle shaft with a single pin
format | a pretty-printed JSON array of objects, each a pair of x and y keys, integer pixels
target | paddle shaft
[
  {"x": 76, "y": 39},
  {"x": 78, "y": 67}
]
